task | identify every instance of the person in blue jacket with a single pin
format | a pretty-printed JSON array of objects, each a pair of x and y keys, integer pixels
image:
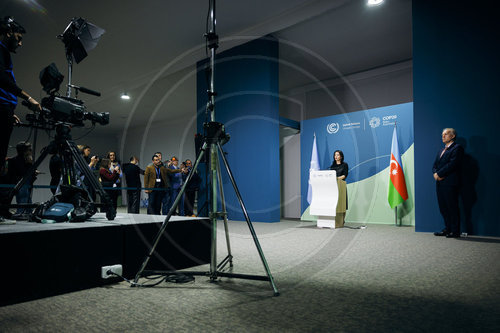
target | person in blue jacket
[{"x": 11, "y": 38}]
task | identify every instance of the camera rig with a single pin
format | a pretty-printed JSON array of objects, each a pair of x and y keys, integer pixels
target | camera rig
[{"x": 63, "y": 113}]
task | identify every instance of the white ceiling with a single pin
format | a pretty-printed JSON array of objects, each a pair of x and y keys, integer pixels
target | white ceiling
[{"x": 149, "y": 48}]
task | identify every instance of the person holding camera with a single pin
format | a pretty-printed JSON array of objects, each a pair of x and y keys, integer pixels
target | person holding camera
[
  {"x": 89, "y": 159},
  {"x": 11, "y": 37},
  {"x": 92, "y": 161},
  {"x": 115, "y": 166},
  {"x": 108, "y": 176}
]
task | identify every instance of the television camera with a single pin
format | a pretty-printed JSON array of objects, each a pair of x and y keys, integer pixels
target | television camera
[
  {"x": 71, "y": 111},
  {"x": 59, "y": 109}
]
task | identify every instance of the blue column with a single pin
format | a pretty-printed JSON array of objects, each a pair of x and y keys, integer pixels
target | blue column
[{"x": 246, "y": 82}]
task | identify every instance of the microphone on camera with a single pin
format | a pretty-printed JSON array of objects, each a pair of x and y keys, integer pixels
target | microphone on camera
[{"x": 85, "y": 90}]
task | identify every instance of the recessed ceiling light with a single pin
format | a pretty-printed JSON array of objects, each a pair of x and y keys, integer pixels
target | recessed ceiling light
[
  {"x": 125, "y": 96},
  {"x": 374, "y": 2}
]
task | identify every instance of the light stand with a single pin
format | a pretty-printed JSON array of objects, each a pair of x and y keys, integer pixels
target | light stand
[
  {"x": 69, "y": 58},
  {"x": 214, "y": 139}
]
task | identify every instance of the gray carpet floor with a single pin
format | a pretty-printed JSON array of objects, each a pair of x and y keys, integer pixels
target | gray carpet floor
[{"x": 379, "y": 279}]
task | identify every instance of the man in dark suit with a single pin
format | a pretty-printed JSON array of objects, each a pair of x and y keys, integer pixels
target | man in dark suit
[
  {"x": 132, "y": 176},
  {"x": 446, "y": 170}
]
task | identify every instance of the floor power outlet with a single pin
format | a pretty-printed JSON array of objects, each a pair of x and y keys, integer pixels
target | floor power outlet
[{"x": 117, "y": 269}]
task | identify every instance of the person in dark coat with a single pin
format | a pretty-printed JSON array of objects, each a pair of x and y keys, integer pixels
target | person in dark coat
[
  {"x": 132, "y": 176},
  {"x": 191, "y": 188},
  {"x": 17, "y": 167},
  {"x": 446, "y": 172}
]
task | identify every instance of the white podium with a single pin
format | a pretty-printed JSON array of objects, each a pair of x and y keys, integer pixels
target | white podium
[{"x": 325, "y": 195}]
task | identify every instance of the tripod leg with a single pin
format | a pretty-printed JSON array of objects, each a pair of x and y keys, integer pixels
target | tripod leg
[
  {"x": 84, "y": 168},
  {"x": 213, "y": 210},
  {"x": 169, "y": 215},
  {"x": 28, "y": 175},
  {"x": 224, "y": 215},
  {"x": 250, "y": 226}
]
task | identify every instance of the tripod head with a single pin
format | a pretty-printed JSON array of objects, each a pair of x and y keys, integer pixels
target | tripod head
[{"x": 215, "y": 133}]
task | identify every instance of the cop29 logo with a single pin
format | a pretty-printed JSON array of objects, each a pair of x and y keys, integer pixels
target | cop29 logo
[
  {"x": 332, "y": 128},
  {"x": 374, "y": 122}
]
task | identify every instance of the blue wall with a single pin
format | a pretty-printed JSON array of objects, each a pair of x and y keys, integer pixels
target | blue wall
[
  {"x": 246, "y": 82},
  {"x": 456, "y": 74}
]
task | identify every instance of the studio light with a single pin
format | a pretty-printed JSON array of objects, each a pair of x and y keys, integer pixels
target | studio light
[{"x": 79, "y": 37}]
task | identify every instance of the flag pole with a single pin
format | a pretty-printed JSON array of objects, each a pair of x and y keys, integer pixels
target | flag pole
[
  {"x": 396, "y": 208},
  {"x": 396, "y": 215}
]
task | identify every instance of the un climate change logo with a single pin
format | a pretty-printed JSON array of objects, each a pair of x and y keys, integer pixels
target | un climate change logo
[
  {"x": 332, "y": 128},
  {"x": 375, "y": 122}
]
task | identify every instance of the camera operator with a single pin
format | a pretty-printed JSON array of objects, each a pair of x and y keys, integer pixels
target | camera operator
[
  {"x": 11, "y": 36},
  {"x": 91, "y": 160},
  {"x": 17, "y": 167}
]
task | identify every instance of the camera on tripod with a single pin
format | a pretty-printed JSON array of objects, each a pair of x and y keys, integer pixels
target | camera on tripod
[
  {"x": 58, "y": 109},
  {"x": 71, "y": 110}
]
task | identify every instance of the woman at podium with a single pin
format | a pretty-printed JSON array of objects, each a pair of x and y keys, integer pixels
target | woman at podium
[{"x": 342, "y": 170}]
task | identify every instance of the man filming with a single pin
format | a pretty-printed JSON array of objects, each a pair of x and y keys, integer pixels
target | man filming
[{"x": 11, "y": 37}]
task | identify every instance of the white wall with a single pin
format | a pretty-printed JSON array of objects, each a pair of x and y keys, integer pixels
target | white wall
[
  {"x": 172, "y": 138},
  {"x": 383, "y": 86},
  {"x": 290, "y": 170}
]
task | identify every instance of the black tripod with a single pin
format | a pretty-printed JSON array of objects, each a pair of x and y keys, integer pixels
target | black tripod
[
  {"x": 212, "y": 144},
  {"x": 67, "y": 150}
]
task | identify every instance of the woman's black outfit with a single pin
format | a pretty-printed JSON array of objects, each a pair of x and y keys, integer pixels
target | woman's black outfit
[{"x": 342, "y": 169}]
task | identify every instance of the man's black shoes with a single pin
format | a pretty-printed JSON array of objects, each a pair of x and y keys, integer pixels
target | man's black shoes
[{"x": 446, "y": 234}]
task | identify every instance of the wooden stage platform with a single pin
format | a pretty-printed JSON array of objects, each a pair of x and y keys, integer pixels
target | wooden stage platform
[{"x": 41, "y": 260}]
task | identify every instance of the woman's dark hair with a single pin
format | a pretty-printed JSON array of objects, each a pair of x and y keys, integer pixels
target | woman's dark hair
[
  {"x": 341, "y": 155},
  {"x": 105, "y": 162},
  {"x": 116, "y": 156}
]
